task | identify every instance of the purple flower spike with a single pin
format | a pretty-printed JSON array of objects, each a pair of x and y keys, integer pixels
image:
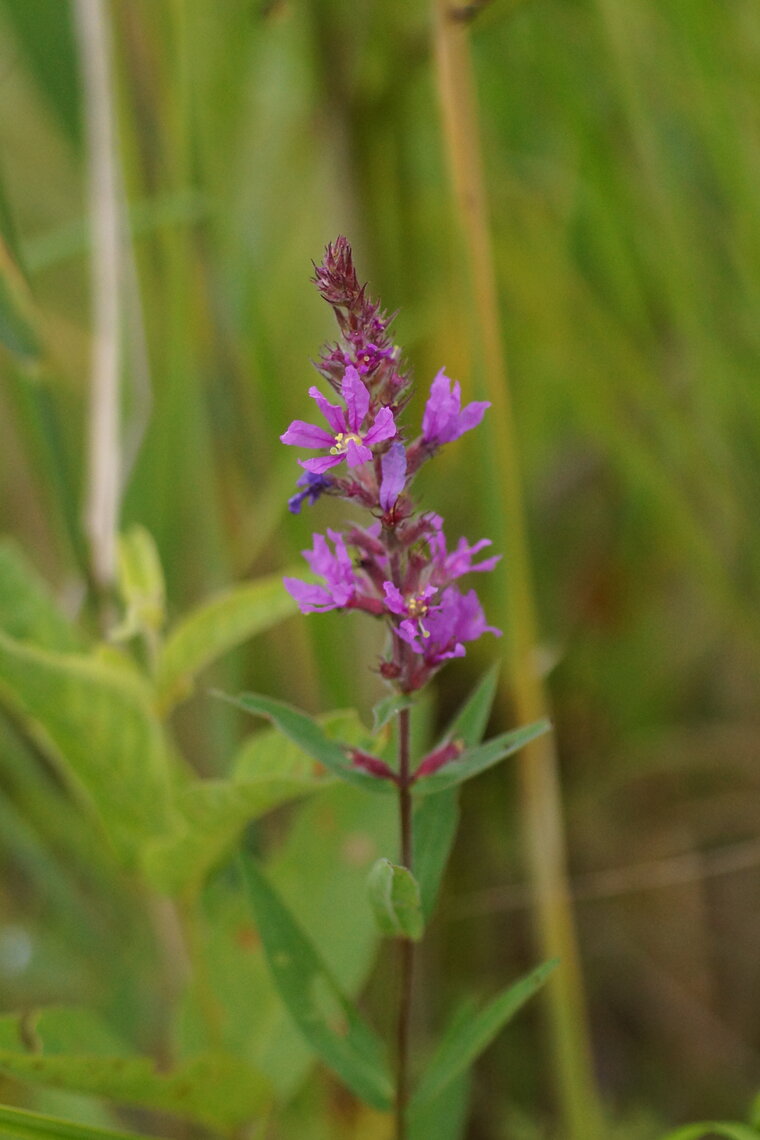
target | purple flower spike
[
  {"x": 341, "y": 583},
  {"x": 393, "y": 465},
  {"x": 346, "y": 440},
  {"x": 314, "y": 486},
  {"x": 442, "y": 420}
]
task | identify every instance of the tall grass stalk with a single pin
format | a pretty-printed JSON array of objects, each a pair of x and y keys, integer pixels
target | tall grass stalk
[
  {"x": 539, "y": 783},
  {"x": 104, "y": 465}
]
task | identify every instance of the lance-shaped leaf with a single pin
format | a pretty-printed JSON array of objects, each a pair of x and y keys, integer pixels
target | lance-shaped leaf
[
  {"x": 304, "y": 731},
  {"x": 18, "y": 1124},
  {"x": 214, "y": 628},
  {"x": 444, "y": 1118},
  {"x": 94, "y": 719},
  {"x": 471, "y": 1031},
  {"x": 436, "y": 820},
  {"x": 141, "y": 584},
  {"x": 327, "y": 1019},
  {"x": 713, "y": 1128},
  {"x": 70, "y": 1050},
  {"x": 475, "y": 760},
  {"x": 394, "y": 896}
]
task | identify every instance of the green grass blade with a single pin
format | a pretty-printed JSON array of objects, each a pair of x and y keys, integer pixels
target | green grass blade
[{"x": 19, "y": 1124}]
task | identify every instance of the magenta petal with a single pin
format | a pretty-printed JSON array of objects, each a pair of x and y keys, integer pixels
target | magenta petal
[
  {"x": 310, "y": 598},
  {"x": 471, "y": 415},
  {"x": 393, "y": 465},
  {"x": 301, "y": 434},
  {"x": 383, "y": 428},
  {"x": 394, "y": 598},
  {"x": 333, "y": 413},
  {"x": 357, "y": 453},
  {"x": 320, "y": 463},
  {"x": 356, "y": 395}
]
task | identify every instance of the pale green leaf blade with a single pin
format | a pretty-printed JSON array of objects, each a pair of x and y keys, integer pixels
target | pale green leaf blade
[
  {"x": 326, "y": 1018},
  {"x": 270, "y": 770},
  {"x": 472, "y": 1031},
  {"x": 711, "y": 1129},
  {"x": 304, "y": 731},
  {"x": 215, "y": 1088},
  {"x": 19, "y": 1124},
  {"x": 94, "y": 719},
  {"x": 27, "y": 609},
  {"x": 214, "y": 628},
  {"x": 475, "y": 760},
  {"x": 394, "y": 896},
  {"x": 141, "y": 584}
]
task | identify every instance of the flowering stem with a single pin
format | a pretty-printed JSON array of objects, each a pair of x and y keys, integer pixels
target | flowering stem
[{"x": 406, "y": 946}]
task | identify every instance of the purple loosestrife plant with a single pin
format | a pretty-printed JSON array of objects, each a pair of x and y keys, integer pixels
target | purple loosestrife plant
[{"x": 397, "y": 566}]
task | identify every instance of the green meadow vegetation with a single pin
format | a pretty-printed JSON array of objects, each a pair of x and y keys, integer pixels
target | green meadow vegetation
[{"x": 560, "y": 198}]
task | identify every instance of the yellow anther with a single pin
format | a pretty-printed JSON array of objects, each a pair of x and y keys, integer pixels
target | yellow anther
[{"x": 342, "y": 441}]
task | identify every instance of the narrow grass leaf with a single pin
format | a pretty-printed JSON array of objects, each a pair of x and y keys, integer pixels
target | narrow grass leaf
[
  {"x": 19, "y": 1124},
  {"x": 214, "y": 628},
  {"x": 444, "y": 1118},
  {"x": 304, "y": 731},
  {"x": 394, "y": 896},
  {"x": 476, "y": 760},
  {"x": 327, "y": 1019},
  {"x": 711, "y": 1129},
  {"x": 471, "y": 1031}
]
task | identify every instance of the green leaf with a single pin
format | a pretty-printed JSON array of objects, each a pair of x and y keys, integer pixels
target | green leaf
[
  {"x": 17, "y": 321},
  {"x": 435, "y": 827},
  {"x": 215, "y": 1088},
  {"x": 473, "y": 761},
  {"x": 327, "y": 1019},
  {"x": 270, "y": 770},
  {"x": 27, "y": 609},
  {"x": 304, "y": 731},
  {"x": 141, "y": 584},
  {"x": 94, "y": 719},
  {"x": 713, "y": 1128},
  {"x": 471, "y": 1031},
  {"x": 394, "y": 896},
  {"x": 444, "y": 1118},
  {"x": 389, "y": 707},
  {"x": 18, "y": 1124},
  {"x": 470, "y": 722},
  {"x": 214, "y": 628}
]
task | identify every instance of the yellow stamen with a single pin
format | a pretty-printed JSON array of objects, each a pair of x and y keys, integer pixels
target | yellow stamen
[{"x": 342, "y": 441}]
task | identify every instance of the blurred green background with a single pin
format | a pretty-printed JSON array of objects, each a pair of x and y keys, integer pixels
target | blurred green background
[{"x": 621, "y": 152}]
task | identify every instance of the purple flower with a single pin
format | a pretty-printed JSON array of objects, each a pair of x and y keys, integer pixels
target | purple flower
[
  {"x": 442, "y": 420},
  {"x": 447, "y": 566},
  {"x": 314, "y": 486},
  {"x": 455, "y": 619},
  {"x": 415, "y": 609},
  {"x": 337, "y": 570},
  {"x": 393, "y": 466},
  {"x": 346, "y": 440}
]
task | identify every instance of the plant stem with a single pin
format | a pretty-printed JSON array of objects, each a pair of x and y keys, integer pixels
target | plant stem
[
  {"x": 406, "y": 946},
  {"x": 541, "y": 806}
]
